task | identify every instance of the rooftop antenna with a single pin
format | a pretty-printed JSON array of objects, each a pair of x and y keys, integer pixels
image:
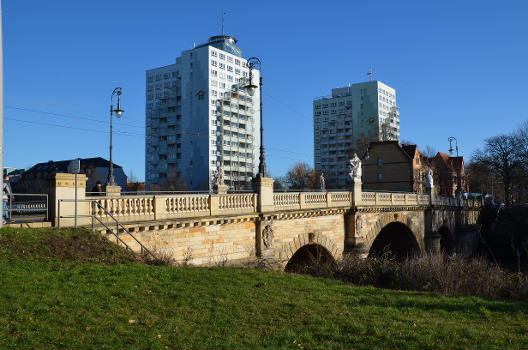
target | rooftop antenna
[
  {"x": 370, "y": 73},
  {"x": 223, "y": 13}
]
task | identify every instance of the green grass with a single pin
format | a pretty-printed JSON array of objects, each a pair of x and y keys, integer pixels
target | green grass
[{"x": 59, "y": 301}]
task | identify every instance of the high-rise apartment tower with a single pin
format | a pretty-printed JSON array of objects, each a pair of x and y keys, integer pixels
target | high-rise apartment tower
[
  {"x": 347, "y": 121},
  {"x": 198, "y": 116}
]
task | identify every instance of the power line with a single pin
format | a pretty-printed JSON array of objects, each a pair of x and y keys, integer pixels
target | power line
[
  {"x": 124, "y": 133},
  {"x": 69, "y": 116},
  {"x": 287, "y": 151},
  {"x": 287, "y": 105},
  {"x": 117, "y": 132}
]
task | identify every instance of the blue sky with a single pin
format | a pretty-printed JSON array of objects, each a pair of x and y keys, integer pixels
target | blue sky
[{"x": 459, "y": 68}]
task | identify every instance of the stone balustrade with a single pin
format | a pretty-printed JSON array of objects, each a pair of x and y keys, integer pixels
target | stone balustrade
[
  {"x": 154, "y": 207},
  {"x": 167, "y": 207}
]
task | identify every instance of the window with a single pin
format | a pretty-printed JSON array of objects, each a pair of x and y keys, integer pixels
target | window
[
  {"x": 237, "y": 71},
  {"x": 213, "y": 53},
  {"x": 229, "y": 77},
  {"x": 380, "y": 161},
  {"x": 237, "y": 62},
  {"x": 214, "y": 73},
  {"x": 222, "y": 56},
  {"x": 166, "y": 76},
  {"x": 213, "y": 63},
  {"x": 229, "y": 59},
  {"x": 150, "y": 79},
  {"x": 214, "y": 83},
  {"x": 175, "y": 74},
  {"x": 158, "y": 77},
  {"x": 380, "y": 176},
  {"x": 229, "y": 68}
]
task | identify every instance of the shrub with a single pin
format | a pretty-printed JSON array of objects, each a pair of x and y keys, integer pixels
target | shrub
[{"x": 446, "y": 274}]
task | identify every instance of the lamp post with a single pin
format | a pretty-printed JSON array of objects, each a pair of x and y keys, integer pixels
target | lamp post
[
  {"x": 118, "y": 112},
  {"x": 251, "y": 88},
  {"x": 451, "y": 139}
]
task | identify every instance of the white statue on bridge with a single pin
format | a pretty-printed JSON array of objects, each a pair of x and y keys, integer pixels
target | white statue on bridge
[
  {"x": 220, "y": 175},
  {"x": 322, "y": 182},
  {"x": 429, "y": 182},
  {"x": 355, "y": 168}
]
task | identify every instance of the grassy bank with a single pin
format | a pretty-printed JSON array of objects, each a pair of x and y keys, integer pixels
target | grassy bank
[{"x": 110, "y": 301}]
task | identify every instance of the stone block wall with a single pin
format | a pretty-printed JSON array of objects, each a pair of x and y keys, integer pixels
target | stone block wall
[{"x": 198, "y": 245}]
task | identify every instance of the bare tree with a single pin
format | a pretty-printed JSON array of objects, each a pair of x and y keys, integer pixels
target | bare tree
[
  {"x": 429, "y": 151},
  {"x": 302, "y": 176},
  {"x": 174, "y": 182},
  {"x": 132, "y": 177},
  {"x": 501, "y": 156}
]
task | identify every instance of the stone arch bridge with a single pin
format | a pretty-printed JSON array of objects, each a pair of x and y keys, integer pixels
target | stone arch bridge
[{"x": 283, "y": 227}]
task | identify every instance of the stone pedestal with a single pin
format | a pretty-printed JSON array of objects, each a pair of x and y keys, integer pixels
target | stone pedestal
[
  {"x": 265, "y": 191},
  {"x": 356, "y": 191},
  {"x": 430, "y": 191},
  {"x": 221, "y": 189},
  {"x": 113, "y": 191},
  {"x": 62, "y": 187}
]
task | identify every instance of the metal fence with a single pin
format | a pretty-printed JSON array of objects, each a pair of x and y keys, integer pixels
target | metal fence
[{"x": 27, "y": 206}]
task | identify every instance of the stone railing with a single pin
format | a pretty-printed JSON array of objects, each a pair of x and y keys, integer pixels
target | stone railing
[
  {"x": 184, "y": 205},
  {"x": 307, "y": 200},
  {"x": 341, "y": 197},
  {"x": 144, "y": 208},
  {"x": 393, "y": 199},
  {"x": 132, "y": 208},
  {"x": 156, "y": 207},
  {"x": 168, "y": 207},
  {"x": 286, "y": 200},
  {"x": 237, "y": 203}
]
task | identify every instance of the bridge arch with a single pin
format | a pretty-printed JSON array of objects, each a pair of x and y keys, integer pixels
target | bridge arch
[
  {"x": 372, "y": 231},
  {"x": 307, "y": 248},
  {"x": 397, "y": 238}
]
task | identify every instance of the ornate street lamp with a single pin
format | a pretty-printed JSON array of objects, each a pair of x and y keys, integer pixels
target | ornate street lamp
[
  {"x": 451, "y": 139},
  {"x": 118, "y": 112},
  {"x": 251, "y": 89}
]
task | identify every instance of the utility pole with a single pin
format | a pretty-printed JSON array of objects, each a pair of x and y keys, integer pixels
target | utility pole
[{"x": 1, "y": 111}]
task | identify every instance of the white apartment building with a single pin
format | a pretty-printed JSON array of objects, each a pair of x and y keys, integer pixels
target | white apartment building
[
  {"x": 347, "y": 121},
  {"x": 199, "y": 115}
]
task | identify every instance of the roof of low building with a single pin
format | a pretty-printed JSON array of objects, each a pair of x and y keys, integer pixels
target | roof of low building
[{"x": 62, "y": 165}]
